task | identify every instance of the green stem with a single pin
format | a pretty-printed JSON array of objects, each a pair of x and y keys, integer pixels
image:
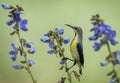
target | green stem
[
  {"x": 25, "y": 57},
  {"x": 110, "y": 52},
  {"x": 68, "y": 73}
]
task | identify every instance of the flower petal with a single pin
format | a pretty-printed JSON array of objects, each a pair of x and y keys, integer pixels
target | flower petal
[
  {"x": 92, "y": 38},
  {"x": 113, "y": 41},
  {"x": 13, "y": 58},
  {"x": 17, "y": 67},
  {"x": 32, "y": 50},
  {"x": 17, "y": 16},
  {"x": 28, "y": 44},
  {"x": 97, "y": 46},
  {"x": 50, "y": 52},
  {"x": 103, "y": 63},
  {"x": 10, "y": 22},
  {"x": 31, "y": 62},
  {"x": 23, "y": 24},
  {"x": 60, "y": 31},
  {"x": 66, "y": 41},
  {"x": 6, "y": 6},
  {"x": 61, "y": 62},
  {"x": 51, "y": 44},
  {"x": 12, "y": 52},
  {"x": 45, "y": 40}
]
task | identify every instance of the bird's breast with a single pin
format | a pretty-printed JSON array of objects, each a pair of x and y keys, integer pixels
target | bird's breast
[{"x": 73, "y": 49}]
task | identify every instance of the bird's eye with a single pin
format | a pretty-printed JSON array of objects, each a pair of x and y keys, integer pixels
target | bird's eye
[{"x": 75, "y": 28}]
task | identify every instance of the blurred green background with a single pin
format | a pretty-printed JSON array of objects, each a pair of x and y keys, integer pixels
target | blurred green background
[{"x": 44, "y": 15}]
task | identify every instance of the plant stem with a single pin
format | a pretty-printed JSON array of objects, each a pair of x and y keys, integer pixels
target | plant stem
[
  {"x": 25, "y": 56},
  {"x": 68, "y": 73},
  {"x": 112, "y": 57}
]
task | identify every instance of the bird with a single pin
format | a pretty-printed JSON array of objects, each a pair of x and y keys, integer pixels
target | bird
[{"x": 76, "y": 48}]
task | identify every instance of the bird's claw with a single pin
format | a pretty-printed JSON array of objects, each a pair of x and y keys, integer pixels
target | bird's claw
[{"x": 67, "y": 69}]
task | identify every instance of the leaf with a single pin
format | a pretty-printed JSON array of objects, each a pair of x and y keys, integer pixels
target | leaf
[
  {"x": 76, "y": 75},
  {"x": 61, "y": 68},
  {"x": 62, "y": 80},
  {"x": 12, "y": 33},
  {"x": 110, "y": 73}
]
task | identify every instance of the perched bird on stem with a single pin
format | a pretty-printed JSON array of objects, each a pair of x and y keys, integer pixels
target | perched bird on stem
[{"x": 76, "y": 48}]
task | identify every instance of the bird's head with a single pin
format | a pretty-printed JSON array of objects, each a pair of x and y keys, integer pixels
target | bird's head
[{"x": 77, "y": 30}]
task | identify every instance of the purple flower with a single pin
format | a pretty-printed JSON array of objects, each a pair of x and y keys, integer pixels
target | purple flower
[
  {"x": 94, "y": 21},
  {"x": 61, "y": 62},
  {"x": 97, "y": 46},
  {"x": 51, "y": 44},
  {"x": 28, "y": 44},
  {"x": 23, "y": 24},
  {"x": 45, "y": 40},
  {"x": 13, "y": 52},
  {"x": 93, "y": 37},
  {"x": 17, "y": 16},
  {"x": 117, "y": 61},
  {"x": 10, "y": 22},
  {"x": 47, "y": 34},
  {"x": 113, "y": 41},
  {"x": 66, "y": 41},
  {"x": 17, "y": 67},
  {"x": 32, "y": 50},
  {"x": 31, "y": 62},
  {"x": 118, "y": 54},
  {"x": 103, "y": 63},
  {"x": 112, "y": 81},
  {"x": 6, "y": 6},
  {"x": 50, "y": 52},
  {"x": 60, "y": 31}
]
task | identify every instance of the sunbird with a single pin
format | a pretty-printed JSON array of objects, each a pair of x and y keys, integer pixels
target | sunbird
[{"x": 76, "y": 48}]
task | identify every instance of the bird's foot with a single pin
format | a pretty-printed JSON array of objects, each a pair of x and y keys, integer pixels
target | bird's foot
[
  {"x": 65, "y": 58},
  {"x": 67, "y": 69}
]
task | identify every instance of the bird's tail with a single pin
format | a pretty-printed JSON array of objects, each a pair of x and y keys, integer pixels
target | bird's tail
[{"x": 80, "y": 68}]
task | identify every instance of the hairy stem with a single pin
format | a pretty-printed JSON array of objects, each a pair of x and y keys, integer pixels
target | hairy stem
[
  {"x": 25, "y": 56},
  {"x": 110, "y": 52},
  {"x": 62, "y": 53}
]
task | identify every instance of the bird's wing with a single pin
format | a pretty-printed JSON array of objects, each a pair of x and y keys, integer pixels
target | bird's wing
[{"x": 80, "y": 51}]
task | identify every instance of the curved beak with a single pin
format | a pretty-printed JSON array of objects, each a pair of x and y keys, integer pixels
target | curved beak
[{"x": 69, "y": 26}]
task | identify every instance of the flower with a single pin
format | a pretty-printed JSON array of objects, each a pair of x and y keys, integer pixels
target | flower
[
  {"x": 118, "y": 54},
  {"x": 23, "y": 24},
  {"x": 97, "y": 46},
  {"x": 113, "y": 41},
  {"x": 112, "y": 81},
  {"x": 28, "y": 44},
  {"x": 6, "y": 6},
  {"x": 17, "y": 67},
  {"x": 117, "y": 61},
  {"x": 45, "y": 40},
  {"x": 94, "y": 21},
  {"x": 60, "y": 31},
  {"x": 51, "y": 44},
  {"x": 31, "y": 62},
  {"x": 10, "y": 22},
  {"x": 103, "y": 63},
  {"x": 17, "y": 16},
  {"x": 61, "y": 62},
  {"x": 13, "y": 52},
  {"x": 66, "y": 40},
  {"x": 47, "y": 34},
  {"x": 106, "y": 30},
  {"x": 50, "y": 52},
  {"x": 93, "y": 37},
  {"x": 32, "y": 50}
]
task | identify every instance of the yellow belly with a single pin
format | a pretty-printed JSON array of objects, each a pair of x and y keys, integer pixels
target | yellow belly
[{"x": 74, "y": 51}]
